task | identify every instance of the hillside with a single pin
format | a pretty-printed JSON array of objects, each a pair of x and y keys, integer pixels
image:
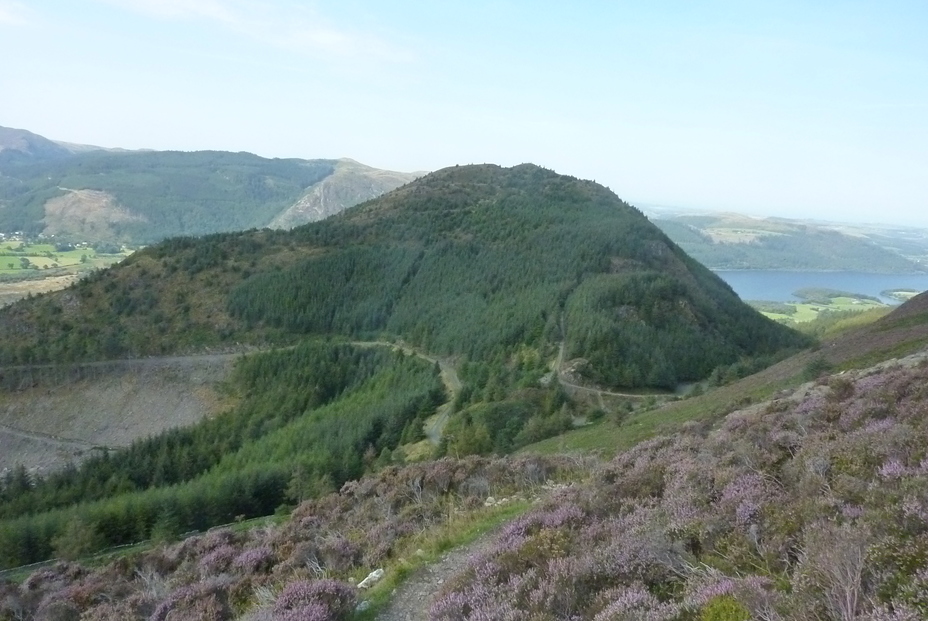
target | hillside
[
  {"x": 733, "y": 241},
  {"x": 477, "y": 261},
  {"x": 807, "y": 506},
  {"x": 89, "y": 194},
  {"x": 300, "y": 422},
  {"x": 859, "y": 345},
  {"x": 766, "y": 498},
  {"x": 499, "y": 270},
  {"x": 349, "y": 184}
]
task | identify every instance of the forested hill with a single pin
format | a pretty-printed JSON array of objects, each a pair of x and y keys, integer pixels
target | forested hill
[
  {"x": 485, "y": 262},
  {"x": 139, "y": 197}
]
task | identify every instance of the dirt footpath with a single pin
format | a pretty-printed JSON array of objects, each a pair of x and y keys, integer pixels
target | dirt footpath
[{"x": 412, "y": 599}]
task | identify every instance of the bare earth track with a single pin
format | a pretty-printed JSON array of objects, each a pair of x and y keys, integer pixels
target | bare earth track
[
  {"x": 449, "y": 377},
  {"x": 411, "y": 601}
]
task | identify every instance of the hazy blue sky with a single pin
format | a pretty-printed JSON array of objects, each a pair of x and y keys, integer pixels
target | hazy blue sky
[{"x": 793, "y": 108}]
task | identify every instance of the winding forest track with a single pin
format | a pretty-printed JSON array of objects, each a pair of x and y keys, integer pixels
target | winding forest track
[
  {"x": 53, "y": 441},
  {"x": 452, "y": 382},
  {"x": 449, "y": 377},
  {"x": 596, "y": 392},
  {"x": 574, "y": 387}
]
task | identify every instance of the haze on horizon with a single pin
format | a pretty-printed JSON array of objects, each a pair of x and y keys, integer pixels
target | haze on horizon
[{"x": 767, "y": 108}]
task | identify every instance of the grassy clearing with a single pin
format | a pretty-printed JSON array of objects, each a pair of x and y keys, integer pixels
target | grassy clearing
[
  {"x": 856, "y": 320},
  {"x": 608, "y": 437},
  {"x": 20, "y": 259},
  {"x": 616, "y": 433},
  {"x": 418, "y": 451}
]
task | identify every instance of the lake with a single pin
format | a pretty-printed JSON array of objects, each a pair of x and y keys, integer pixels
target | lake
[{"x": 779, "y": 286}]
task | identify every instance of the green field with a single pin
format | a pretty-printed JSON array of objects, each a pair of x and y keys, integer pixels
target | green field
[
  {"x": 903, "y": 295},
  {"x": 810, "y": 311},
  {"x": 23, "y": 259},
  {"x": 30, "y": 269}
]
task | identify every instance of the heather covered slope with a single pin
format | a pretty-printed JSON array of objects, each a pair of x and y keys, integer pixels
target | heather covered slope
[
  {"x": 810, "y": 506},
  {"x": 479, "y": 261}
]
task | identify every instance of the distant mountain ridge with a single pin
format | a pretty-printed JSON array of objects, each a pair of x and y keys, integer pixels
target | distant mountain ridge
[
  {"x": 727, "y": 241},
  {"x": 88, "y": 193},
  {"x": 349, "y": 184},
  {"x": 20, "y": 145}
]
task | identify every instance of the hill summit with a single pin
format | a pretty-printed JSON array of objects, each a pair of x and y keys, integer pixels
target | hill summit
[{"x": 489, "y": 263}]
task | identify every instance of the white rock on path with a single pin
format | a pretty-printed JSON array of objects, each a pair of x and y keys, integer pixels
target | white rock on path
[{"x": 371, "y": 579}]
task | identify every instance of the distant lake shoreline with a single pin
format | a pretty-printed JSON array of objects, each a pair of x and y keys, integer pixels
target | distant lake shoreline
[{"x": 779, "y": 286}]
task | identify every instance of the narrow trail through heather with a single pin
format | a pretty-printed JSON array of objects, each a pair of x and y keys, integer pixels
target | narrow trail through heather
[{"x": 411, "y": 601}]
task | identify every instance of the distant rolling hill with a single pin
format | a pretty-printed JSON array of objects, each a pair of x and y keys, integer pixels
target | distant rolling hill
[
  {"x": 21, "y": 146},
  {"x": 85, "y": 193},
  {"x": 728, "y": 241}
]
